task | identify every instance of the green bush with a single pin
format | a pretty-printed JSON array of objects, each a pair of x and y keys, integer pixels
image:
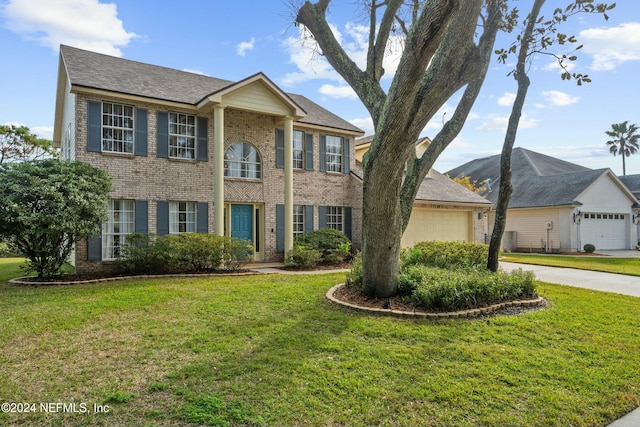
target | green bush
[
  {"x": 193, "y": 251},
  {"x": 589, "y": 248},
  {"x": 140, "y": 254},
  {"x": 449, "y": 255},
  {"x": 7, "y": 250},
  {"x": 182, "y": 253},
  {"x": 301, "y": 256},
  {"x": 459, "y": 289},
  {"x": 333, "y": 245},
  {"x": 354, "y": 276},
  {"x": 237, "y": 253}
]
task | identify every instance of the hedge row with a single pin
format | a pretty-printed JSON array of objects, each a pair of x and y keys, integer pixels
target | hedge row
[{"x": 182, "y": 253}]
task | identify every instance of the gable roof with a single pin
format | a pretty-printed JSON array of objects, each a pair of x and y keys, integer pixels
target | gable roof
[
  {"x": 438, "y": 188},
  {"x": 94, "y": 71},
  {"x": 538, "y": 180}
]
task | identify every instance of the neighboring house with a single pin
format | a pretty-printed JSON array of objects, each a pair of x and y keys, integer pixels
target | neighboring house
[
  {"x": 443, "y": 210},
  {"x": 558, "y": 206},
  {"x": 632, "y": 182},
  {"x": 191, "y": 153}
]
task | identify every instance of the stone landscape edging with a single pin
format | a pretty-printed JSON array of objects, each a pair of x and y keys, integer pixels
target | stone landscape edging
[
  {"x": 21, "y": 281},
  {"x": 433, "y": 316}
]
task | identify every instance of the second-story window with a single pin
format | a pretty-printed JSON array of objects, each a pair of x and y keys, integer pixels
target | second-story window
[
  {"x": 298, "y": 149},
  {"x": 242, "y": 160},
  {"x": 334, "y": 154},
  {"x": 182, "y": 136},
  {"x": 117, "y": 128}
]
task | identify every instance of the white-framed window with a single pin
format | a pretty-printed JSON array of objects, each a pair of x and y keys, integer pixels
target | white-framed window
[
  {"x": 298, "y": 149},
  {"x": 334, "y": 156},
  {"x": 182, "y": 217},
  {"x": 121, "y": 221},
  {"x": 242, "y": 160},
  {"x": 335, "y": 218},
  {"x": 117, "y": 128},
  {"x": 298, "y": 220},
  {"x": 182, "y": 136}
]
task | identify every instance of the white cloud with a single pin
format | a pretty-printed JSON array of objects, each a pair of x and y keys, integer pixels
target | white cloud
[
  {"x": 559, "y": 99},
  {"x": 334, "y": 91},
  {"x": 45, "y": 132},
  {"x": 498, "y": 123},
  {"x": 243, "y": 47},
  {"x": 364, "y": 123},
  {"x": 305, "y": 53},
  {"x": 507, "y": 99},
  {"x": 610, "y": 47},
  {"x": 86, "y": 24},
  {"x": 555, "y": 66}
]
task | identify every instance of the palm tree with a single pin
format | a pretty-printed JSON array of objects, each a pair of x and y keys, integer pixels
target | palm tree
[{"x": 624, "y": 142}]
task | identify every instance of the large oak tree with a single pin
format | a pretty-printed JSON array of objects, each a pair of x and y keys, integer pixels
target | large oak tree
[{"x": 448, "y": 46}]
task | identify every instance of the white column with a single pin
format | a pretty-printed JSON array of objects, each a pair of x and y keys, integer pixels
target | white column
[
  {"x": 288, "y": 184},
  {"x": 218, "y": 160}
]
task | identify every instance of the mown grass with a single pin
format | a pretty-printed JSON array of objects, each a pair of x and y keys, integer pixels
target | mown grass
[
  {"x": 630, "y": 266},
  {"x": 270, "y": 350}
]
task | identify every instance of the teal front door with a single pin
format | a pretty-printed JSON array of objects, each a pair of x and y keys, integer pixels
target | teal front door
[{"x": 241, "y": 222}]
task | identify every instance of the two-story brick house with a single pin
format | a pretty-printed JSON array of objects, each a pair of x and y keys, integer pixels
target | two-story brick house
[{"x": 192, "y": 153}]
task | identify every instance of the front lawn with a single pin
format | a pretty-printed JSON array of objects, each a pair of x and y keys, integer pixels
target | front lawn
[
  {"x": 630, "y": 266},
  {"x": 270, "y": 350}
]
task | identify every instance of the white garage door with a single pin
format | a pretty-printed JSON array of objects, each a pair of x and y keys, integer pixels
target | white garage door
[
  {"x": 605, "y": 231},
  {"x": 437, "y": 224}
]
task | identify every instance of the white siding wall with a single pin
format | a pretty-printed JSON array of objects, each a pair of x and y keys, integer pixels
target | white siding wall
[
  {"x": 68, "y": 143},
  {"x": 531, "y": 228}
]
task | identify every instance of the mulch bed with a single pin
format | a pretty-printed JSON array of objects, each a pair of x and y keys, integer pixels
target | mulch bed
[{"x": 355, "y": 297}]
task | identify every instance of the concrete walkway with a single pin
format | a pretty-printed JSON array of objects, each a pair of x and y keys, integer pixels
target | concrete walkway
[{"x": 606, "y": 282}]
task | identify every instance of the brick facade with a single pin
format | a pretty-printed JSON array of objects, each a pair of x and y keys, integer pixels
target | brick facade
[{"x": 156, "y": 179}]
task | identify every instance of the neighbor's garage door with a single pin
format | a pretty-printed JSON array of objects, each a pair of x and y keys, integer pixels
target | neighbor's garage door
[
  {"x": 605, "y": 231},
  {"x": 437, "y": 224}
]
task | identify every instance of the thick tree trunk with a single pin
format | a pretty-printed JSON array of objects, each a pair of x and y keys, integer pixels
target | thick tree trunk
[{"x": 381, "y": 233}]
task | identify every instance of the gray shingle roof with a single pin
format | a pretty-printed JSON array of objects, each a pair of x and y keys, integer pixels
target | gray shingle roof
[
  {"x": 97, "y": 71},
  {"x": 632, "y": 182},
  {"x": 538, "y": 180}
]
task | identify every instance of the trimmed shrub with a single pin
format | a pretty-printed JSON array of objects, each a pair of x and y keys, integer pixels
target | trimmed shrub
[
  {"x": 450, "y": 255},
  {"x": 589, "y": 248},
  {"x": 443, "y": 289},
  {"x": 333, "y": 245},
  {"x": 237, "y": 253},
  {"x": 182, "y": 253},
  {"x": 301, "y": 256},
  {"x": 140, "y": 254}
]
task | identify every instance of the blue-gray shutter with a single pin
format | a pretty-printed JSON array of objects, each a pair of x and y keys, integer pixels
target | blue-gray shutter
[
  {"x": 94, "y": 126},
  {"x": 141, "y": 216},
  {"x": 202, "y": 151},
  {"x": 162, "y": 134},
  {"x": 202, "y": 217},
  {"x": 140, "y": 144},
  {"x": 163, "y": 218},
  {"x": 94, "y": 248},
  {"x": 347, "y": 156},
  {"x": 308, "y": 152},
  {"x": 308, "y": 218},
  {"x": 322, "y": 217},
  {"x": 280, "y": 148},
  {"x": 346, "y": 219},
  {"x": 279, "y": 228},
  {"x": 323, "y": 153}
]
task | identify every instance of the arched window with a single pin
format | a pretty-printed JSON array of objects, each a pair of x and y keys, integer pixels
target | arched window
[{"x": 242, "y": 160}]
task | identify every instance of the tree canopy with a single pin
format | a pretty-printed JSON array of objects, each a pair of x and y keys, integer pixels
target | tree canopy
[
  {"x": 48, "y": 205},
  {"x": 17, "y": 143}
]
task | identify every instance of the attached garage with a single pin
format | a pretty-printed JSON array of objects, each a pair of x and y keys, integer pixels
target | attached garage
[
  {"x": 605, "y": 230},
  {"x": 438, "y": 224}
]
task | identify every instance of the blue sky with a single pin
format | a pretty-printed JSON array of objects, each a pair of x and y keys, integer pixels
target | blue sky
[{"x": 233, "y": 40}]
